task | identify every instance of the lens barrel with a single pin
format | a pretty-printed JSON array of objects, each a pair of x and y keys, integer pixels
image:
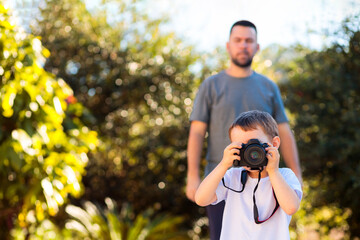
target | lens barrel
[{"x": 252, "y": 154}]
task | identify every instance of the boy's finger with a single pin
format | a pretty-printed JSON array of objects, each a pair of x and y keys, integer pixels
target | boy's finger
[
  {"x": 272, "y": 152},
  {"x": 271, "y": 148},
  {"x": 236, "y": 144},
  {"x": 235, "y": 151}
]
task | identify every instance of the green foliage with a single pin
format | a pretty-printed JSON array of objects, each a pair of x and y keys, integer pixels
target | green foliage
[
  {"x": 95, "y": 223},
  {"x": 43, "y": 142},
  {"x": 45, "y": 230},
  {"x": 325, "y": 222},
  {"x": 323, "y": 95},
  {"x": 139, "y": 83}
]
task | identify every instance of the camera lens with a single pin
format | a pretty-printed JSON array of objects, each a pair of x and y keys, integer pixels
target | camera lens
[{"x": 255, "y": 155}]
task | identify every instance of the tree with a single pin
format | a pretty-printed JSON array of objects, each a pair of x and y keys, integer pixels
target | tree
[
  {"x": 43, "y": 141},
  {"x": 139, "y": 84},
  {"x": 323, "y": 95}
]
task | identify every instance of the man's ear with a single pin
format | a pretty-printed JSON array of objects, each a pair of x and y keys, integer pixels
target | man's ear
[
  {"x": 257, "y": 47},
  {"x": 276, "y": 142}
]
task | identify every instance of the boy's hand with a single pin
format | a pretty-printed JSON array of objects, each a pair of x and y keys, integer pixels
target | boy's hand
[
  {"x": 231, "y": 153},
  {"x": 273, "y": 157}
]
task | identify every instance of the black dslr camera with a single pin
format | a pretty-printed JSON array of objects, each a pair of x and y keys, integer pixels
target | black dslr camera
[{"x": 252, "y": 154}]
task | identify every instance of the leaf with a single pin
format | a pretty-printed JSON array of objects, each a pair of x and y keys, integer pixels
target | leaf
[{"x": 15, "y": 161}]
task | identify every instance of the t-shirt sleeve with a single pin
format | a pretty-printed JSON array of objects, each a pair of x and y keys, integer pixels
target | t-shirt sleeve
[
  {"x": 202, "y": 103},
  {"x": 221, "y": 191},
  {"x": 292, "y": 180},
  {"x": 279, "y": 109}
]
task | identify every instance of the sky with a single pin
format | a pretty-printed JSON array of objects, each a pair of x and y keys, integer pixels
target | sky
[{"x": 206, "y": 23}]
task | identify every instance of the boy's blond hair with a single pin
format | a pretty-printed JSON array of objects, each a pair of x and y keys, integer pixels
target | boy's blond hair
[{"x": 251, "y": 120}]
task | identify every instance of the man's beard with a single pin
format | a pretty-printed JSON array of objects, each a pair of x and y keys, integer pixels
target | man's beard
[{"x": 242, "y": 65}]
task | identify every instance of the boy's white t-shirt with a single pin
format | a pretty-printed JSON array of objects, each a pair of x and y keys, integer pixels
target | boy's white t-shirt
[{"x": 238, "y": 219}]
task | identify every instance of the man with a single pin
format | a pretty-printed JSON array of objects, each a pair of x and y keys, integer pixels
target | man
[{"x": 221, "y": 98}]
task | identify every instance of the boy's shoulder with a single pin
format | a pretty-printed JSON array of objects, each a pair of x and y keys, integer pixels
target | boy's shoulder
[
  {"x": 292, "y": 180},
  {"x": 286, "y": 171}
]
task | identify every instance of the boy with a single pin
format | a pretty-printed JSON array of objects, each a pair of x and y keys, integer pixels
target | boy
[{"x": 249, "y": 214}]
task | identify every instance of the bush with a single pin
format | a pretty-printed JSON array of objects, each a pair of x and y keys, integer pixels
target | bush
[
  {"x": 323, "y": 96},
  {"x": 43, "y": 142}
]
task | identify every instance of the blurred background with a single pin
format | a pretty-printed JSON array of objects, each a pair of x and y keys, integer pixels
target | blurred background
[{"x": 96, "y": 96}]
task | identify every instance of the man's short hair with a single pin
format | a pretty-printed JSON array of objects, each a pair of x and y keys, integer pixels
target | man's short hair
[
  {"x": 243, "y": 23},
  {"x": 251, "y": 120}
]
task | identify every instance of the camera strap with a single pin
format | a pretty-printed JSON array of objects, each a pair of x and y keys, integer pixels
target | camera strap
[
  {"x": 256, "y": 212},
  {"x": 243, "y": 182},
  {"x": 243, "y": 179}
]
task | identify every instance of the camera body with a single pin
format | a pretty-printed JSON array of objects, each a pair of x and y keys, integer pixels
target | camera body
[{"x": 252, "y": 154}]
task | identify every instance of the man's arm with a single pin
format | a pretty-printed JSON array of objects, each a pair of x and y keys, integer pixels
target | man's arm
[
  {"x": 289, "y": 150},
  {"x": 194, "y": 149}
]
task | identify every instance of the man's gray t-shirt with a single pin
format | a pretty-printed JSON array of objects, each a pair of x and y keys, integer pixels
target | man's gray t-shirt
[{"x": 221, "y": 98}]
